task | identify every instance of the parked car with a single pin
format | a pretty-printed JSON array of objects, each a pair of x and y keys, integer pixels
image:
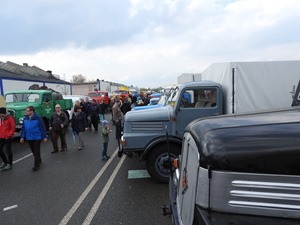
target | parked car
[
  {"x": 74, "y": 99},
  {"x": 161, "y": 102}
]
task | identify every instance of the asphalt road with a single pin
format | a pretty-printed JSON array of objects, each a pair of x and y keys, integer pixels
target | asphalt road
[{"x": 77, "y": 187}]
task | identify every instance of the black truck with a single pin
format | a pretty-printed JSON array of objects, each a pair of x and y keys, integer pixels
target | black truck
[{"x": 239, "y": 169}]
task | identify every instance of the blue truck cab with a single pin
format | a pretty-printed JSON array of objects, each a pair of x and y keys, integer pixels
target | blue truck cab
[{"x": 154, "y": 132}]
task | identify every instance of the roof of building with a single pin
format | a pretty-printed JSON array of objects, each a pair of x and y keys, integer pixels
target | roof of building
[{"x": 25, "y": 72}]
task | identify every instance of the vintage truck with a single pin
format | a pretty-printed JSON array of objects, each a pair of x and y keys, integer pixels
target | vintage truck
[
  {"x": 145, "y": 131},
  {"x": 99, "y": 96},
  {"x": 239, "y": 169},
  {"x": 44, "y": 102}
]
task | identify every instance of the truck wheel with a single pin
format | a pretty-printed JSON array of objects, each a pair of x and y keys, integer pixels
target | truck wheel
[{"x": 158, "y": 164}]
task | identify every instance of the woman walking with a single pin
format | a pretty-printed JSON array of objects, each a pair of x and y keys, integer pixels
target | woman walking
[
  {"x": 79, "y": 124},
  {"x": 7, "y": 130}
]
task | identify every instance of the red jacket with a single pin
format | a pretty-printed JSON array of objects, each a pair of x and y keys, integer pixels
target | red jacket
[{"x": 7, "y": 126}]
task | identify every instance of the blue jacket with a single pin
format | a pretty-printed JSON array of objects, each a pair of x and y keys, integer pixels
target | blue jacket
[{"x": 33, "y": 128}]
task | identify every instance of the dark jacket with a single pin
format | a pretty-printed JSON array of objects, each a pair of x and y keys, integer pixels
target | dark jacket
[
  {"x": 7, "y": 126},
  {"x": 95, "y": 110},
  {"x": 33, "y": 128},
  {"x": 125, "y": 107},
  {"x": 79, "y": 122},
  {"x": 86, "y": 108},
  {"x": 103, "y": 107},
  {"x": 56, "y": 121}
]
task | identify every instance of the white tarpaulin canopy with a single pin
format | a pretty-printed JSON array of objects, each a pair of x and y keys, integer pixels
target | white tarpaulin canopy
[{"x": 252, "y": 86}]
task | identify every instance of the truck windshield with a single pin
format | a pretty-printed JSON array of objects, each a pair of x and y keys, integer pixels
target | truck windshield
[
  {"x": 22, "y": 97},
  {"x": 174, "y": 95},
  {"x": 163, "y": 99}
]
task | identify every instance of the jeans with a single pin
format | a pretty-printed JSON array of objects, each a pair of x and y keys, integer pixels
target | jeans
[
  {"x": 62, "y": 135},
  {"x": 35, "y": 146},
  {"x": 7, "y": 144},
  {"x": 101, "y": 117},
  {"x": 80, "y": 139},
  {"x": 104, "y": 152}
]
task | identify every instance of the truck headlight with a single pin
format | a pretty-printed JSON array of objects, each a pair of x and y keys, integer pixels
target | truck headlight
[
  {"x": 176, "y": 164},
  {"x": 123, "y": 142},
  {"x": 21, "y": 120}
]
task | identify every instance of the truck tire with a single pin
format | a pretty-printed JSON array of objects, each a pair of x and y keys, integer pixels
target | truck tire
[{"x": 158, "y": 165}]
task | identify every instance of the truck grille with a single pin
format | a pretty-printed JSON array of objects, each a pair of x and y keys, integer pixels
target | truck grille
[{"x": 149, "y": 126}]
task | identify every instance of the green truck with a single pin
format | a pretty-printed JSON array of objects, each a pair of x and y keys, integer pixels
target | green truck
[{"x": 43, "y": 101}]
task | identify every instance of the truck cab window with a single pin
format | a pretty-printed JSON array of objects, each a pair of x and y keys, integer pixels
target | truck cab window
[{"x": 205, "y": 98}]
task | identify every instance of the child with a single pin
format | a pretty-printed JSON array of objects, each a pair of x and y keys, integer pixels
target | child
[{"x": 105, "y": 138}]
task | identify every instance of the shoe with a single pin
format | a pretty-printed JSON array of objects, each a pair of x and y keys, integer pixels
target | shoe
[
  {"x": 54, "y": 151},
  {"x": 35, "y": 168},
  {"x": 3, "y": 164},
  {"x": 96, "y": 131},
  {"x": 79, "y": 148},
  {"x": 7, "y": 167},
  {"x": 63, "y": 149},
  {"x": 105, "y": 157}
]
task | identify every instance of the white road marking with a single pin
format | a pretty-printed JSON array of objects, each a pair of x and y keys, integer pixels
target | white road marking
[
  {"x": 26, "y": 156},
  {"x": 79, "y": 201},
  {"x": 137, "y": 174},
  {"x": 99, "y": 200},
  {"x": 10, "y": 207}
]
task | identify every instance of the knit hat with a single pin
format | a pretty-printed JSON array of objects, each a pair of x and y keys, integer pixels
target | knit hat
[
  {"x": 2, "y": 110},
  {"x": 104, "y": 122}
]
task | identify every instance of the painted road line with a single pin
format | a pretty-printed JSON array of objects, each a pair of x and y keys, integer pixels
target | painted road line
[
  {"x": 137, "y": 174},
  {"x": 84, "y": 194},
  {"x": 26, "y": 156},
  {"x": 10, "y": 207},
  {"x": 99, "y": 200}
]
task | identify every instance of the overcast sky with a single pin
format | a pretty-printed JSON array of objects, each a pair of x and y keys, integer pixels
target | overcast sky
[{"x": 146, "y": 43}]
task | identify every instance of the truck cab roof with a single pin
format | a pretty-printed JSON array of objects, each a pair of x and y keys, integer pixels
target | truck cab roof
[
  {"x": 264, "y": 142},
  {"x": 29, "y": 91}
]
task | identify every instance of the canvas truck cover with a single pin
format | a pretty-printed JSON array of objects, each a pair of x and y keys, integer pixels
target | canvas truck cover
[
  {"x": 252, "y": 86},
  {"x": 257, "y": 143}
]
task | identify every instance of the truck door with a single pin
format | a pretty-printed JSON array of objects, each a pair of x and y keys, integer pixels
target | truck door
[
  {"x": 188, "y": 180},
  {"x": 197, "y": 103}
]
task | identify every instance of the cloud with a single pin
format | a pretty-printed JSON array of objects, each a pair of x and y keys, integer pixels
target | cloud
[{"x": 146, "y": 43}]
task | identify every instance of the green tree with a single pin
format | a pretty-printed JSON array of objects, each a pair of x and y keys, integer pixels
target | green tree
[{"x": 77, "y": 79}]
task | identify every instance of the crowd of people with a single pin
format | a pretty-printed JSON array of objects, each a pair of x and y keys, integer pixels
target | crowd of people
[{"x": 86, "y": 116}]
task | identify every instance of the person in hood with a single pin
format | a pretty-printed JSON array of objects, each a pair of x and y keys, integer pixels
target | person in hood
[
  {"x": 79, "y": 124},
  {"x": 7, "y": 130},
  {"x": 34, "y": 131},
  {"x": 105, "y": 138}
]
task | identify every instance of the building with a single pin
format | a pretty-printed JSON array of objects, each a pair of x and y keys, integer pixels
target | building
[{"x": 20, "y": 77}]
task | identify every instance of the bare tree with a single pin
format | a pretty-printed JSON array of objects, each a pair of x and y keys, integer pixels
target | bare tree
[{"x": 77, "y": 79}]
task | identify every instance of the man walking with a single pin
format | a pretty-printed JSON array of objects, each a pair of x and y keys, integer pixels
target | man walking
[
  {"x": 58, "y": 124},
  {"x": 34, "y": 131}
]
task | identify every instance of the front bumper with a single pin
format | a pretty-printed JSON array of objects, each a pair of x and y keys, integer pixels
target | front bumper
[{"x": 173, "y": 202}]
